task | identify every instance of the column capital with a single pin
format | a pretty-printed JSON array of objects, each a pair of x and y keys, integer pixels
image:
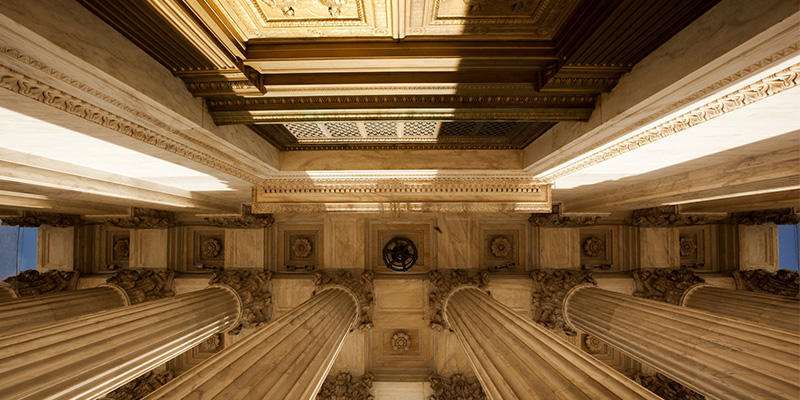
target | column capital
[
  {"x": 252, "y": 289},
  {"x": 140, "y": 285},
  {"x": 34, "y": 219},
  {"x": 342, "y": 386},
  {"x": 33, "y": 283},
  {"x": 556, "y": 219},
  {"x": 665, "y": 284},
  {"x": 246, "y": 220},
  {"x": 145, "y": 218},
  {"x": 360, "y": 286},
  {"x": 457, "y": 386},
  {"x": 550, "y": 290},
  {"x": 778, "y": 216},
  {"x": 443, "y": 282},
  {"x": 141, "y": 386},
  {"x": 783, "y": 282},
  {"x": 665, "y": 387},
  {"x": 663, "y": 216}
]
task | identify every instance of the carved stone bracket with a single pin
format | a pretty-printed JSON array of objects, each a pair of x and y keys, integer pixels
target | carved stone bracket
[
  {"x": 664, "y": 216},
  {"x": 556, "y": 219},
  {"x": 145, "y": 218},
  {"x": 142, "y": 285},
  {"x": 253, "y": 289},
  {"x": 33, "y": 283},
  {"x": 550, "y": 288},
  {"x": 361, "y": 286},
  {"x": 782, "y": 283},
  {"x": 779, "y": 216},
  {"x": 33, "y": 219},
  {"x": 665, "y": 387},
  {"x": 246, "y": 220},
  {"x": 442, "y": 283},
  {"x": 664, "y": 284},
  {"x": 342, "y": 387},
  {"x": 456, "y": 386},
  {"x": 141, "y": 386}
]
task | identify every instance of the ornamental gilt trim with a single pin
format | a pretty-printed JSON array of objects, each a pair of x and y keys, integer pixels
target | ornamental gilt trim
[{"x": 360, "y": 286}]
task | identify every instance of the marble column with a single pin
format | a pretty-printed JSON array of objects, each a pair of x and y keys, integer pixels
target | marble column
[
  {"x": 287, "y": 359},
  {"x": 88, "y": 356},
  {"x": 516, "y": 359},
  {"x": 762, "y": 309},
  {"x": 41, "y": 307},
  {"x": 683, "y": 287},
  {"x": 719, "y": 357}
]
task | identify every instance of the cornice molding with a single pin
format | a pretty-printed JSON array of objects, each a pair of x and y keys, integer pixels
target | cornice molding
[
  {"x": 402, "y": 113},
  {"x": 42, "y": 92},
  {"x": 401, "y": 207},
  {"x": 757, "y": 91}
]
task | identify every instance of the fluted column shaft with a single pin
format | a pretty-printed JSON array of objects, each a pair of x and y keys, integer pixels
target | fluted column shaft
[
  {"x": 720, "y": 358},
  {"x": 28, "y": 313},
  {"x": 88, "y": 356},
  {"x": 515, "y": 358},
  {"x": 287, "y": 359},
  {"x": 763, "y": 309}
]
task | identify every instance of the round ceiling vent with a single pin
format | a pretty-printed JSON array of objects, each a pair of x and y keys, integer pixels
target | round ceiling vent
[{"x": 400, "y": 254}]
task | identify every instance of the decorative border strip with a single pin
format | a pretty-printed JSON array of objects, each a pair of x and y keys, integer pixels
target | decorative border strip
[
  {"x": 401, "y": 207},
  {"x": 769, "y": 86},
  {"x": 411, "y": 185}
]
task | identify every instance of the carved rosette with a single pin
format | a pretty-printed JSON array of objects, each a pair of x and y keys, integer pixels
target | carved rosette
[
  {"x": 664, "y": 216},
  {"x": 442, "y": 283},
  {"x": 142, "y": 285},
  {"x": 501, "y": 247},
  {"x": 211, "y": 248},
  {"x": 594, "y": 247},
  {"x": 144, "y": 218},
  {"x": 211, "y": 344},
  {"x": 342, "y": 387},
  {"x": 141, "y": 386},
  {"x": 455, "y": 387},
  {"x": 778, "y": 216},
  {"x": 253, "y": 290},
  {"x": 246, "y": 220},
  {"x": 550, "y": 288},
  {"x": 781, "y": 283},
  {"x": 665, "y": 387},
  {"x": 301, "y": 247},
  {"x": 593, "y": 344},
  {"x": 33, "y": 219},
  {"x": 361, "y": 286},
  {"x": 32, "y": 283},
  {"x": 688, "y": 246},
  {"x": 664, "y": 284},
  {"x": 401, "y": 341}
]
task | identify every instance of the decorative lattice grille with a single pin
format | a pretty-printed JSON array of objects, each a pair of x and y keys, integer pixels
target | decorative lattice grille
[
  {"x": 342, "y": 129},
  {"x": 419, "y": 128},
  {"x": 305, "y": 130}
]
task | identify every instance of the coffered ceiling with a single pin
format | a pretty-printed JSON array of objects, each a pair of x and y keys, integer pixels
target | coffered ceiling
[{"x": 328, "y": 74}]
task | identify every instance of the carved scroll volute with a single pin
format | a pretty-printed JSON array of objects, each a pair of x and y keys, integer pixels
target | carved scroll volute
[
  {"x": 342, "y": 387},
  {"x": 33, "y": 283},
  {"x": 445, "y": 281},
  {"x": 665, "y": 284},
  {"x": 253, "y": 290},
  {"x": 456, "y": 386},
  {"x": 358, "y": 282},
  {"x": 143, "y": 284},
  {"x": 781, "y": 283},
  {"x": 550, "y": 288}
]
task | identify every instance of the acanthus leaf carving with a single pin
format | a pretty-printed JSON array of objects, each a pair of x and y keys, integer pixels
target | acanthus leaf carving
[
  {"x": 342, "y": 387},
  {"x": 359, "y": 284},
  {"x": 33, "y": 219},
  {"x": 254, "y": 292},
  {"x": 445, "y": 281},
  {"x": 665, "y": 387},
  {"x": 664, "y": 284},
  {"x": 141, "y": 386},
  {"x": 456, "y": 386},
  {"x": 778, "y": 216},
  {"x": 33, "y": 283},
  {"x": 246, "y": 220},
  {"x": 784, "y": 282},
  {"x": 550, "y": 288},
  {"x": 556, "y": 219},
  {"x": 664, "y": 216},
  {"x": 144, "y": 284},
  {"x": 145, "y": 218}
]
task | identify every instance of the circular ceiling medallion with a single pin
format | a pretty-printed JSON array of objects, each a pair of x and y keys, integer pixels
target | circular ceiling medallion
[{"x": 400, "y": 254}]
